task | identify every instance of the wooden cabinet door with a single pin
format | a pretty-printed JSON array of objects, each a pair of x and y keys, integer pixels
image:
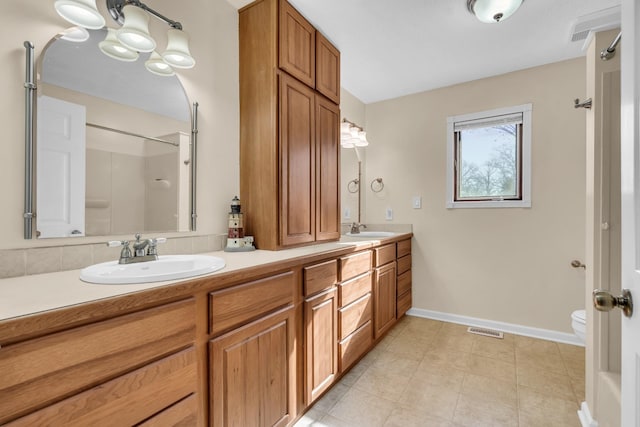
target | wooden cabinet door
[
  {"x": 327, "y": 68},
  {"x": 297, "y": 45},
  {"x": 321, "y": 343},
  {"x": 297, "y": 162},
  {"x": 384, "y": 286},
  {"x": 253, "y": 373},
  {"x": 327, "y": 167}
]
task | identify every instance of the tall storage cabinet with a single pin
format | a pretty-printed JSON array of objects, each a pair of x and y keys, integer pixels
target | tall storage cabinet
[{"x": 289, "y": 128}]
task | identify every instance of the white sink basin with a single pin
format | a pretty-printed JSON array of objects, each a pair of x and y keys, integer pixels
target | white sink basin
[
  {"x": 166, "y": 267},
  {"x": 371, "y": 234}
]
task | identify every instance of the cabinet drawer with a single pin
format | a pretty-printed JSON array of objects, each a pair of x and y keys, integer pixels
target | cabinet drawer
[
  {"x": 354, "y": 315},
  {"x": 404, "y": 282},
  {"x": 36, "y": 372},
  {"x": 183, "y": 413},
  {"x": 319, "y": 277},
  {"x": 385, "y": 254},
  {"x": 404, "y": 248},
  {"x": 404, "y": 264},
  {"x": 241, "y": 304},
  {"x": 355, "y": 345},
  {"x": 353, "y": 289},
  {"x": 404, "y": 303},
  {"x": 354, "y": 265},
  {"x": 125, "y": 400}
]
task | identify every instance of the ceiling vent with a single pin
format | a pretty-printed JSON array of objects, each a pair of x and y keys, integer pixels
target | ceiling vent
[{"x": 602, "y": 20}]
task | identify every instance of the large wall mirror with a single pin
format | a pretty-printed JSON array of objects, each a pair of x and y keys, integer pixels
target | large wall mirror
[{"x": 113, "y": 144}]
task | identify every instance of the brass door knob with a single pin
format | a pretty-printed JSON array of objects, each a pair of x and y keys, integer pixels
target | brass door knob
[{"x": 605, "y": 301}]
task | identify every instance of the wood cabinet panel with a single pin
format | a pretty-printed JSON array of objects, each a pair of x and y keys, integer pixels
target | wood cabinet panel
[
  {"x": 327, "y": 170},
  {"x": 353, "y": 289},
  {"x": 37, "y": 372},
  {"x": 404, "y": 247},
  {"x": 355, "y": 345},
  {"x": 354, "y": 315},
  {"x": 384, "y": 254},
  {"x": 297, "y": 45},
  {"x": 404, "y": 303},
  {"x": 232, "y": 307},
  {"x": 404, "y": 264},
  {"x": 404, "y": 282},
  {"x": 384, "y": 286},
  {"x": 252, "y": 373},
  {"x": 327, "y": 68},
  {"x": 319, "y": 277},
  {"x": 321, "y": 330},
  {"x": 297, "y": 163},
  {"x": 355, "y": 265},
  {"x": 119, "y": 401},
  {"x": 182, "y": 414}
]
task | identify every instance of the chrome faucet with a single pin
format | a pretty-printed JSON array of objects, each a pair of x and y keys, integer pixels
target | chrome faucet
[
  {"x": 355, "y": 227},
  {"x": 139, "y": 253}
]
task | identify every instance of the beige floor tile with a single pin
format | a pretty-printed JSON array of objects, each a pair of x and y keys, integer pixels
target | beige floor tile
[
  {"x": 383, "y": 383},
  {"x": 310, "y": 418},
  {"x": 539, "y": 410},
  {"x": 578, "y": 385},
  {"x": 445, "y": 358},
  {"x": 492, "y": 368},
  {"x": 495, "y": 349},
  {"x": 430, "y": 399},
  {"x": 472, "y": 411},
  {"x": 571, "y": 352},
  {"x": 330, "y": 421},
  {"x": 453, "y": 341},
  {"x": 544, "y": 360},
  {"x": 575, "y": 366},
  {"x": 409, "y": 346},
  {"x": 454, "y": 329},
  {"x": 402, "y": 417},
  {"x": 418, "y": 334},
  {"x": 490, "y": 390},
  {"x": 448, "y": 379},
  {"x": 395, "y": 363},
  {"x": 362, "y": 409},
  {"x": 352, "y": 376},
  {"x": 330, "y": 398},
  {"x": 542, "y": 381}
]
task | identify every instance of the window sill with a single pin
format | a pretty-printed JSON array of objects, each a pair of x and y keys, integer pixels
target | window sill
[{"x": 490, "y": 204}]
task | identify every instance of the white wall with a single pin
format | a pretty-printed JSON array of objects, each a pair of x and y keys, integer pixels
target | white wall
[
  {"x": 213, "y": 27},
  {"x": 508, "y": 265}
]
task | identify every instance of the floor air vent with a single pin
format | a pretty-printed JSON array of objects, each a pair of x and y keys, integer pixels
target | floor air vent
[{"x": 485, "y": 332}]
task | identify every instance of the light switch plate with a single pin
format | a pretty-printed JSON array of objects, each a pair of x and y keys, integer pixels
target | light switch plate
[
  {"x": 347, "y": 213},
  {"x": 388, "y": 214},
  {"x": 416, "y": 202}
]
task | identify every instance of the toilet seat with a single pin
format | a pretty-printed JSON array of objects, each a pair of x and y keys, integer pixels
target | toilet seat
[
  {"x": 579, "y": 324},
  {"x": 579, "y": 316}
]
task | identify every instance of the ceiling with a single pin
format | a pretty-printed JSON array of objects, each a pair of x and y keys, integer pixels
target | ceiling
[{"x": 395, "y": 48}]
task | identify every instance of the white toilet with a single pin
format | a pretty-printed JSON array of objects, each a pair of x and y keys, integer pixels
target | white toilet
[{"x": 579, "y": 324}]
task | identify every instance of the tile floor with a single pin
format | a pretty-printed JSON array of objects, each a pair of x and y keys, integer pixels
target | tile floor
[{"x": 430, "y": 373}]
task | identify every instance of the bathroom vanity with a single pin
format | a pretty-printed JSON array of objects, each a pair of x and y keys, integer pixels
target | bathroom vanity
[{"x": 254, "y": 344}]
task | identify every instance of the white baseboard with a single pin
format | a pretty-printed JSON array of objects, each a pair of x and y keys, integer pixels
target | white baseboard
[
  {"x": 585, "y": 416},
  {"x": 512, "y": 328}
]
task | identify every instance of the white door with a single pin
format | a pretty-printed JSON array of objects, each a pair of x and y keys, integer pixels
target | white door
[
  {"x": 60, "y": 168},
  {"x": 630, "y": 165}
]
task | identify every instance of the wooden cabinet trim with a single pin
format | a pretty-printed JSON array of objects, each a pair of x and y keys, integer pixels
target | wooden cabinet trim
[
  {"x": 384, "y": 254},
  {"x": 385, "y": 298},
  {"x": 404, "y": 264},
  {"x": 355, "y": 264},
  {"x": 327, "y": 68},
  {"x": 355, "y": 345},
  {"x": 297, "y": 45},
  {"x": 404, "y": 282},
  {"x": 354, "y": 315},
  {"x": 404, "y": 247},
  {"x": 352, "y": 289},
  {"x": 320, "y": 276}
]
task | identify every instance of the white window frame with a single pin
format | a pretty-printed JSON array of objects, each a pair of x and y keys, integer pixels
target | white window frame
[{"x": 525, "y": 172}]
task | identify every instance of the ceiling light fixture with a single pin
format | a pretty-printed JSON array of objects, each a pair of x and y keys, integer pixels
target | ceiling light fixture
[
  {"x": 352, "y": 135},
  {"x": 125, "y": 43},
  {"x": 492, "y": 11}
]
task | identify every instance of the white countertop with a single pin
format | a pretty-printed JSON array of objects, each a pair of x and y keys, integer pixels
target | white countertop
[{"x": 26, "y": 295}]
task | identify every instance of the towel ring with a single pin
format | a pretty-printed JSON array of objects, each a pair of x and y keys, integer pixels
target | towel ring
[
  {"x": 353, "y": 183},
  {"x": 377, "y": 185}
]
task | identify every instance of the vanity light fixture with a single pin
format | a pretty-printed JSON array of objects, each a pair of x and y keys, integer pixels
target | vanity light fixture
[
  {"x": 352, "y": 135},
  {"x": 157, "y": 65},
  {"x": 492, "y": 11},
  {"x": 112, "y": 47},
  {"x": 134, "y": 35},
  {"x": 74, "y": 34}
]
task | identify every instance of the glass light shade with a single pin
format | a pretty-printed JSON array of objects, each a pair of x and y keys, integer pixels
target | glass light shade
[
  {"x": 74, "y": 34},
  {"x": 134, "y": 34},
  {"x": 111, "y": 47},
  {"x": 347, "y": 144},
  {"x": 354, "y": 132},
  {"x": 80, "y": 12},
  {"x": 492, "y": 11},
  {"x": 177, "y": 53},
  {"x": 362, "y": 139},
  {"x": 156, "y": 65}
]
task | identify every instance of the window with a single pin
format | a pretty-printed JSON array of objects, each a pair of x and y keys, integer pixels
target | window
[{"x": 489, "y": 159}]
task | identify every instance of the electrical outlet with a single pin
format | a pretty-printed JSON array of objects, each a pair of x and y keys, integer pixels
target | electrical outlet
[
  {"x": 417, "y": 202},
  {"x": 388, "y": 214},
  {"x": 347, "y": 213}
]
